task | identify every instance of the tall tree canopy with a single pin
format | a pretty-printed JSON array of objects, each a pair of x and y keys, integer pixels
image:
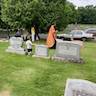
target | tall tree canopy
[
  {"x": 24, "y": 13},
  {"x": 70, "y": 12},
  {"x": 87, "y": 15}
]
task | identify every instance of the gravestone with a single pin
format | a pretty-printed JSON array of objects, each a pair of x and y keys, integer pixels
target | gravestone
[
  {"x": 15, "y": 45},
  {"x": 66, "y": 50},
  {"x": 41, "y": 51},
  {"x": 78, "y": 87}
]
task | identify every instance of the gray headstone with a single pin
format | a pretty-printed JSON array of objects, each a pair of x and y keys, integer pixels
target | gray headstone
[
  {"x": 41, "y": 51},
  {"x": 78, "y": 87},
  {"x": 67, "y": 50},
  {"x": 15, "y": 45}
]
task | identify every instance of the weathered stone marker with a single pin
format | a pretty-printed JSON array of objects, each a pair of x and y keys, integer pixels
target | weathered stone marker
[
  {"x": 66, "y": 50},
  {"x": 78, "y": 87},
  {"x": 15, "y": 45},
  {"x": 41, "y": 51}
]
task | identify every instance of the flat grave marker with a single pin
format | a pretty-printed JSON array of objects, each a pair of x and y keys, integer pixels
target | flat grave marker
[{"x": 78, "y": 87}]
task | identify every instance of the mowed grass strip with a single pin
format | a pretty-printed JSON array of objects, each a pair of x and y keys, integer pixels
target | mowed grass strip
[{"x": 27, "y": 76}]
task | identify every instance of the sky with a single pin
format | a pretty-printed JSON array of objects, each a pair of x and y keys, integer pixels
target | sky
[{"x": 83, "y": 2}]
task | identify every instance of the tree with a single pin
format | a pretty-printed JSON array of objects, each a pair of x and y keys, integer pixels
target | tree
[
  {"x": 53, "y": 13},
  {"x": 19, "y": 13},
  {"x": 24, "y": 13},
  {"x": 87, "y": 15},
  {"x": 71, "y": 13}
]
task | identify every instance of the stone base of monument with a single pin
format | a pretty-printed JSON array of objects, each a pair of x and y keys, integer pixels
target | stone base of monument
[
  {"x": 45, "y": 57},
  {"x": 17, "y": 51},
  {"x": 73, "y": 60}
]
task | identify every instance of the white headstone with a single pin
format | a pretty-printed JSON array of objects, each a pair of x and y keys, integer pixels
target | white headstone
[
  {"x": 41, "y": 50},
  {"x": 67, "y": 50},
  {"x": 78, "y": 87},
  {"x": 15, "y": 45}
]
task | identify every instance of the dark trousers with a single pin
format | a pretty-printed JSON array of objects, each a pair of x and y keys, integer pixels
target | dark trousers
[
  {"x": 54, "y": 46},
  {"x": 28, "y": 51}
]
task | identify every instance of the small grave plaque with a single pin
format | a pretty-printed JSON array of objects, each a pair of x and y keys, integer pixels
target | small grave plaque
[
  {"x": 41, "y": 50},
  {"x": 15, "y": 45},
  {"x": 77, "y": 87}
]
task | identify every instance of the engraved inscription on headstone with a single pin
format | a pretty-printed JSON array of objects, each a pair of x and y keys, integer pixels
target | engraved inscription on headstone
[
  {"x": 66, "y": 50},
  {"x": 41, "y": 50},
  {"x": 15, "y": 45},
  {"x": 78, "y": 87},
  {"x": 81, "y": 93}
]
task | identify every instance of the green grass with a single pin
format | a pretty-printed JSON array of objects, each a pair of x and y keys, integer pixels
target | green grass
[{"x": 27, "y": 76}]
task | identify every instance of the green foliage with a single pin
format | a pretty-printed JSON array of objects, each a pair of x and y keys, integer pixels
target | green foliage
[
  {"x": 43, "y": 13},
  {"x": 54, "y": 13},
  {"x": 70, "y": 12},
  {"x": 24, "y": 13},
  {"x": 19, "y": 13},
  {"x": 87, "y": 15}
]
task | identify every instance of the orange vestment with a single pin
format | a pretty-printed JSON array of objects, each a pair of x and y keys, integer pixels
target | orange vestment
[{"x": 51, "y": 37}]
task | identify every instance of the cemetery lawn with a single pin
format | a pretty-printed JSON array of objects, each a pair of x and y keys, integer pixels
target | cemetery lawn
[{"x": 28, "y": 76}]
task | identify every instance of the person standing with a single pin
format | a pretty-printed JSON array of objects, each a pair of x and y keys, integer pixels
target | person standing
[
  {"x": 37, "y": 37},
  {"x": 51, "y": 39},
  {"x": 18, "y": 33},
  {"x": 28, "y": 47},
  {"x": 33, "y": 34}
]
